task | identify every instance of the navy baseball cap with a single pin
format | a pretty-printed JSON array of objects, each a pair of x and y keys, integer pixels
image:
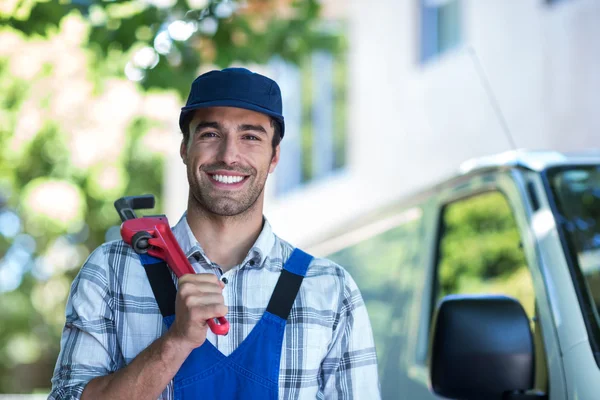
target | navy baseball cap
[{"x": 233, "y": 87}]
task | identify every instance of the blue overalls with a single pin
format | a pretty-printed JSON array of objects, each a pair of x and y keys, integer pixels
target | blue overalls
[{"x": 252, "y": 370}]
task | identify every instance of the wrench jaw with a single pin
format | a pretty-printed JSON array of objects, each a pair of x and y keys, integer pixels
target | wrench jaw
[{"x": 127, "y": 205}]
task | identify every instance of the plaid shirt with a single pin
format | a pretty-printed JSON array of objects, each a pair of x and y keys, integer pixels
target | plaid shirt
[{"x": 111, "y": 316}]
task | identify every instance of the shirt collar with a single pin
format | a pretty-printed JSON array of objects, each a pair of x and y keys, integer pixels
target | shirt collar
[{"x": 255, "y": 257}]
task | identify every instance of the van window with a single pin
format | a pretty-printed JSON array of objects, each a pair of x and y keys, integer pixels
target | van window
[
  {"x": 383, "y": 259},
  {"x": 576, "y": 192},
  {"x": 480, "y": 251}
]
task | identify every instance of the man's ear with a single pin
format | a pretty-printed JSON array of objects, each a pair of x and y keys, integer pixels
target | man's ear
[
  {"x": 274, "y": 159},
  {"x": 183, "y": 150}
]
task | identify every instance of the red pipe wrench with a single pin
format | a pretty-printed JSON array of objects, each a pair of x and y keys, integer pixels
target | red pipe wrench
[{"x": 152, "y": 235}]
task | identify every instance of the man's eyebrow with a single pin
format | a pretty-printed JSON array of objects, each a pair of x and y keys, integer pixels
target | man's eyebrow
[
  {"x": 207, "y": 124},
  {"x": 250, "y": 127}
]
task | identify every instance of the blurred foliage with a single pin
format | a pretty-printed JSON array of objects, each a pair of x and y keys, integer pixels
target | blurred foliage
[
  {"x": 225, "y": 31},
  {"x": 32, "y": 315},
  {"x": 56, "y": 205}
]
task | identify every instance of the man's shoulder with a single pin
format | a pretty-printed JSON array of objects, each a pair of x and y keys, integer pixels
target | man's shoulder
[
  {"x": 111, "y": 249},
  {"x": 116, "y": 269},
  {"x": 319, "y": 266},
  {"x": 111, "y": 256},
  {"x": 325, "y": 266}
]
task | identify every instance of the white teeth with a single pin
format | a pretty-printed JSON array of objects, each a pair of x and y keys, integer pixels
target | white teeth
[{"x": 227, "y": 179}]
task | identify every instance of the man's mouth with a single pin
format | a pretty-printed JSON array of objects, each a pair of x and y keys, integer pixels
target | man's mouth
[{"x": 227, "y": 180}]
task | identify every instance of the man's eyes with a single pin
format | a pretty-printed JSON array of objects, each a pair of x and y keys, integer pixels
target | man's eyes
[
  {"x": 215, "y": 134},
  {"x": 251, "y": 137}
]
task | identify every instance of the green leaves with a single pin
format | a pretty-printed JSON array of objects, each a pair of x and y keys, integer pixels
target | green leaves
[
  {"x": 86, "y": 88},
  {"x": 221, "y": 33}
]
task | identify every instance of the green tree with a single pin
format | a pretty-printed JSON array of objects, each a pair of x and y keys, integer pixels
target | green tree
[
  {"x": 183, "y": 33},
  {"x": 77, "y": 131}
]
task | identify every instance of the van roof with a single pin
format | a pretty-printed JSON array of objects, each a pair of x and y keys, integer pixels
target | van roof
[
  {"x": 535, "y": 160},
  {"x": 403, "y": 209}
]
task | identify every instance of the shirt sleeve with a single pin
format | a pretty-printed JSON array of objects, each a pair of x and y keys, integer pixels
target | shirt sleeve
[
  {"x": 349, "y": 370},
  {"x": 87, "y": 348}
]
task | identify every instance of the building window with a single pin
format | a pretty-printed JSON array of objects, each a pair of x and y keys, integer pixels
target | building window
[
  {"x": 314, "y": 104},
  {"x": 441, "y": 28}
]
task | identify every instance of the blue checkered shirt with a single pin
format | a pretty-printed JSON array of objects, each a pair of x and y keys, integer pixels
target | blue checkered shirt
[{"x": 111, "y": 316}]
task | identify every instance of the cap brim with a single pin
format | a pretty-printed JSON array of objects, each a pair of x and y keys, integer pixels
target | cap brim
[{"x": 187, "y": 111}]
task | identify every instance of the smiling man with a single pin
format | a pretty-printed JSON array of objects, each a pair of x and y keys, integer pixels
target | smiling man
[{"x": 298, "y": 325}]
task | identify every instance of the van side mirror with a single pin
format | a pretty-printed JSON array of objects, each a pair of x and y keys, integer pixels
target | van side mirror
[{"x": 481, "y": 348}]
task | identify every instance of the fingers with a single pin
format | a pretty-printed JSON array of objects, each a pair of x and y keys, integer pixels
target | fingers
[
  {"x": 192, "y": 288},
  {"x": 200, "y": 283},
  {"x": 202, "y": 295},
  {"x": 198, "y": 278},
  {"x": 199, "y": 315},
  {"x": 216, "y": 310},
  {"x": 205, "y": 299},
  {"x": 199, "y": 298}
]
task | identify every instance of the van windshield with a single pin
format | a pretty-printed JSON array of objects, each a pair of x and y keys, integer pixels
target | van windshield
[{"x": 576, "y": 191}]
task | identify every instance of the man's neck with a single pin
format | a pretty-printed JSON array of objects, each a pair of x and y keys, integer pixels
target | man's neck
[{"x": 225, "y": 240}]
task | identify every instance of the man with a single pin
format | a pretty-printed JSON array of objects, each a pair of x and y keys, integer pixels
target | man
[{"x": 298, "y": 326}]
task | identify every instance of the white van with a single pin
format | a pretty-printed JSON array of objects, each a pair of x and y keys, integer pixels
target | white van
[{"x": 521, "y": 225}]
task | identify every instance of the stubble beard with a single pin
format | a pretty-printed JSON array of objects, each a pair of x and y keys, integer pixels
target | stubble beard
[{"x": 211, "y": 201}]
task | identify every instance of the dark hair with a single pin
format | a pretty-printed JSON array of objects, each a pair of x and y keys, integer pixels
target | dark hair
[
  {"x": 274, "y": 123},
  {"x": 186, "y": 131},
  {"x": 276, "y": 134}
]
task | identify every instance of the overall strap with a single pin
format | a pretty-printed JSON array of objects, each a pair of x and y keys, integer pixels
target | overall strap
[
  {"x": 161, "y": 281},
  {"x": 288, "y": 285}
]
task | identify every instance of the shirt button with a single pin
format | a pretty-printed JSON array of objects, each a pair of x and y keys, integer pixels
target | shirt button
[{"x": 224, "y": 280}]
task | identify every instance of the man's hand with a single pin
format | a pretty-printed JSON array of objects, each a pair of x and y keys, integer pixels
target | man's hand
[{"x": 199, "y": 298}]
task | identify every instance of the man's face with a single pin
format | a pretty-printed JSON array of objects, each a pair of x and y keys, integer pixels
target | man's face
[{"x": 228, "y": 158}]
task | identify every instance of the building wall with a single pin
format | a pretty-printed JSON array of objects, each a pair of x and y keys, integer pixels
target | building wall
[{"x": 412, "y": 124}]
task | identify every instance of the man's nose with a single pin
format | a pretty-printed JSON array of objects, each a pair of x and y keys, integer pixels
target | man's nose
[{"x": 229, "y": 151}]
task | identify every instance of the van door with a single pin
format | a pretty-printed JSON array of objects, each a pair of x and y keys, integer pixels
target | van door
[
  {"x": 481, "y": 246},
  {"x": 385, "y": 258}
]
